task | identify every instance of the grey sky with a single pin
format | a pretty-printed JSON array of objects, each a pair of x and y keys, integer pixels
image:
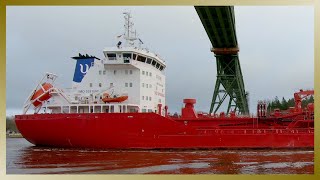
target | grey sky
[{"x": 276, "y": 48}]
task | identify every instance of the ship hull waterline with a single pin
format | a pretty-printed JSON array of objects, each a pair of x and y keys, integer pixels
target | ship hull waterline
[{"x": 150, "y": 131}]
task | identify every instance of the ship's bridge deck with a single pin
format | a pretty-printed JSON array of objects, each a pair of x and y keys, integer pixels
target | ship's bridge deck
[{"x": 126, "y": 55}]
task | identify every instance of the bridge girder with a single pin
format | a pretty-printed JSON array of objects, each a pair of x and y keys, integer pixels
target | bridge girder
[{"x": 219, "y": 23}]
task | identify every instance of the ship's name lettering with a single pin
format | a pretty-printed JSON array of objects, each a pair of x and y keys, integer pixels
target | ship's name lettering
[{"x": 88, "y": 91}]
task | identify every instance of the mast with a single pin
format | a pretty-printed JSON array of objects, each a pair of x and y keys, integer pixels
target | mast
[{"x": 129, "y": 35}]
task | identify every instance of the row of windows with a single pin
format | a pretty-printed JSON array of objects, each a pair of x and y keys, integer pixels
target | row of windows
[
  {"x": 159, "y": 84},
  {"x": 111, "y": 84},
  {"x": 148, "y": 98},
  {"x": 134, "y": 56},
  {"x": 145, "y": 110},
  {"x": 100, "y": 84},
  {"x": 146, "y": 73},
  {"x": 147, "y": 85},
  {"x": 102, "y": 72},
  {"x": 158, "y": 77},
  {"x": 157, "y": 89},
  {"x": 128, "y": 71},
  {"x": 115, "y": 72},
  {"x": 128, "y": 84}
]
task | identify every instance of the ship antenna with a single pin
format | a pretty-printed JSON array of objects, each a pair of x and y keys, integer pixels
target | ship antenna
[{"x": 128, "y": 29}]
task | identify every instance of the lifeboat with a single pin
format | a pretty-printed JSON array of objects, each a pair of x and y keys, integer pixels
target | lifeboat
[
  {"x": 108, "y": 99},
  {"x": 42, "y": 94}
]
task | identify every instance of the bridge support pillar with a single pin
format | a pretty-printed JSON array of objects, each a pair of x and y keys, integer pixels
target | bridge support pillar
[{"x": 229, "y": 85}]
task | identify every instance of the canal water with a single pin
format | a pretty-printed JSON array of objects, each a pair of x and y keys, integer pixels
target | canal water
[{"x": 24, "y": 158}]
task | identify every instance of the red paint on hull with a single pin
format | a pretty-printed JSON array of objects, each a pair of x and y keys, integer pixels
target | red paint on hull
[{"x": 152, "y": 131}]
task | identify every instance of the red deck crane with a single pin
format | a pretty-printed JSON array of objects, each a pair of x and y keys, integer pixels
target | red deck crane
[{"x": 299, "y": 96}]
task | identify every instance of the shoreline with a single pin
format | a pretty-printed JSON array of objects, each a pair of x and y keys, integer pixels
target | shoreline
[{"x": 17, "y": 135}]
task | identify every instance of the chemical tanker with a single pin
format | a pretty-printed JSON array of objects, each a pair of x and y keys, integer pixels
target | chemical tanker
[{"x": 118, "y": 102}]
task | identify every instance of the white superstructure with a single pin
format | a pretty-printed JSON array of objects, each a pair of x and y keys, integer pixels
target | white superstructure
[{"x": 126, "y": 70}]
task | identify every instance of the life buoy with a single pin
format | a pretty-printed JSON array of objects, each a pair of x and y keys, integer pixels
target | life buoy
[{"x": 42, "y": 94}]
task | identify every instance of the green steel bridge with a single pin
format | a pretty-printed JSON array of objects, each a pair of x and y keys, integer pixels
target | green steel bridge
[{"x": 219, "y": 23}]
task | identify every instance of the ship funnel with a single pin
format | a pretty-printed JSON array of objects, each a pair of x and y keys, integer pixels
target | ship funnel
[
  {"x": 188, "y": 110},
  {"x": 84, "y": 63}
]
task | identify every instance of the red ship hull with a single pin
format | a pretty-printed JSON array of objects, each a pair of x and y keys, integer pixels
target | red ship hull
[{"x": 152, "y": 131}]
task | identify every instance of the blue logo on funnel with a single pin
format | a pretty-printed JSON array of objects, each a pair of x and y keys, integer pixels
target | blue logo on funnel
[{"x": 82, "y": 67}]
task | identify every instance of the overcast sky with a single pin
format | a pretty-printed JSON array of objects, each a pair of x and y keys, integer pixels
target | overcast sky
[{"x": 276, "y": 48}]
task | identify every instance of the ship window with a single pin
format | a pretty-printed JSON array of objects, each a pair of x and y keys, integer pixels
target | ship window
[
  {"x": 142, "y": 84},
  {"x": 126, "y": 84},
  {"x": 107, "y": 109},
  {"x": 90, "y": 84},
  {"x": 141, "y": 58},
  {"x": 144, "y": 110},
  {"x": 147, "y": 85},
  {"x": 130, "y": 71},
  {"x": 130, "y": 84},
  {"x": 112, "y": 56},
  {"x": 142, "y": 97},
  {"x": 142, "y": 72},
  {"x": 127, "y": 56},
  {"x": 150, "y": 98},
  {"x": 126, "y": 71},
  {"x": 147, "y": 73},
  {"x": 154, "y": 63},
  {"x": 147, "y": 98},
  {"x": 157, "y": 65},
  {"x": 104, "y": 72},
  {"x": 100, "y": 84},
  {"x": 100, "y": 72},
  {"x": 150, "y": 110},
  {"x": 161, "y": 67},
  {"x": 134, "y": 56},
  {"x": 149, "y": 60},
  {"x": 150, "y": 85},
  {"x": 111, "y": 84},
  {"x": 114, "y": 72},
  {"x": 150, "y": 74}
]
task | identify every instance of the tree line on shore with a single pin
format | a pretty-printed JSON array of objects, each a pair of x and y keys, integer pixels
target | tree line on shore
[
  {"x": 11, "y": 125},
  {"x": 285, "y": 104}
]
